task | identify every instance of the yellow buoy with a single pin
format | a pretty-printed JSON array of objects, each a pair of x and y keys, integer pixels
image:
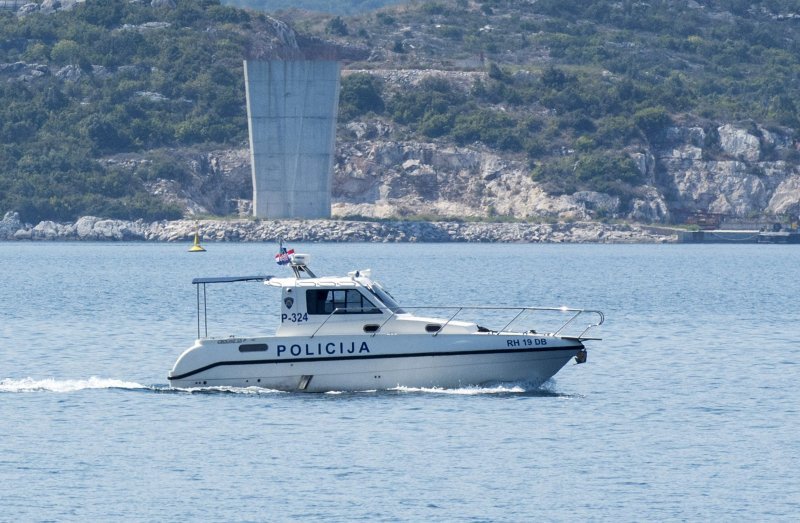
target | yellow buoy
[{"x": 196, "y": 247}]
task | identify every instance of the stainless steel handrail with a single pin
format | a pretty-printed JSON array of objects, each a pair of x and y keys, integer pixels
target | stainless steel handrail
[
  {"x": 448, "y": 321},
  {"x": 458, "y": 310},
  {"x": 339, "y": 310},
  {"x": 392, "y": 315},
  {"x": 336, "y": 310}
]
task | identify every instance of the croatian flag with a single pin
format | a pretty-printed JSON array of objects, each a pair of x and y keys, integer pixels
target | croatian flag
[{"x": 282, "y": 258}]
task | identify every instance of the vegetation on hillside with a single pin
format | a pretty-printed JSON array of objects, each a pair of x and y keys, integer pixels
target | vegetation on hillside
[
  {"x": 113, "y": 85},
  {"x": 571, "y": 85},
  {"x": 574, "y": 84}
]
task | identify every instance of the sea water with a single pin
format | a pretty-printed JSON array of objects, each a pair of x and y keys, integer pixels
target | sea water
[{"x": 686, "y": 410}]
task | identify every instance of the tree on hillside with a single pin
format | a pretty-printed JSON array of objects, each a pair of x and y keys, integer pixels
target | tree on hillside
[{"x": 360, "y": 93}]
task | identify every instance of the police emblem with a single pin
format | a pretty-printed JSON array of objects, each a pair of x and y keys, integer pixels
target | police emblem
[{"x": 288, "y": 302}]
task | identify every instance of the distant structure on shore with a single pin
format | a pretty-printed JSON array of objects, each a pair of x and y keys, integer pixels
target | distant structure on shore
[{"x": 291, "y": 115}]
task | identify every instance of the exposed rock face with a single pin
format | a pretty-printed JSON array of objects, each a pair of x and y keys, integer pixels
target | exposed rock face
[
  {"x": 740, "y": 174},
  {"x": 741, "y": 182},
  {"x": 216, "y": 182},
  {"x": 381, "y": 178},
  {"x": 23, "y": 72},
  {"x": 377, "y": 177},
  {"x": 69, "y": 73},
  {"x": 28, "y": 9},
  {"x": 275, "y": 40},
  {"x": 739, "y": 143},
  {"x": 650, "y": 207},
  {"x": 9, "y": 225},
  {"x": 50, "y": 5},
  {"x": 47, "y": 6},
  {"x": 410, "y": 78},
  {"x": 147, "y": 26},
  {"x": 784, "y": 199}
]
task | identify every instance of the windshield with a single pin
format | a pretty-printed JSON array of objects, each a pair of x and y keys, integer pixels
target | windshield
[{"x": 386, "y": 298}]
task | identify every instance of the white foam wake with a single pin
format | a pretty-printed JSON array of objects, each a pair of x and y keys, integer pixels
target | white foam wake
[
  {"x": 54, "y": 385},
  {"x": 466, "y": 391},
  {"x": 226, "y": 389}
]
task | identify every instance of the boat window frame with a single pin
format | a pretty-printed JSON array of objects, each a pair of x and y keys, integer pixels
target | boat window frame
[
  {"x": 351, "y": 301},
  {"x": 385, "y": 298}
]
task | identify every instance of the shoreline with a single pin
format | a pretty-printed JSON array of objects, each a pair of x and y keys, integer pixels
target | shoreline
[{"x": 89, "y": 228}]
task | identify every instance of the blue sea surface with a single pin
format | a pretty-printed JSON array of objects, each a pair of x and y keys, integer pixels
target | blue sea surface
[{"x": 686, "y": 410}]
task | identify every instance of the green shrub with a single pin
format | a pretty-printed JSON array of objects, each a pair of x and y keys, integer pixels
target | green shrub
[
  {"x": 360, "y": 93},
  {"x": 652, "y": 120},
  {"x": 336, "y": 26},
  {"x": 433, "y": 8},
  {"x": 433, "y": 95},
  {"x": 434, "y": 125},
  {"x": 385, "y": 19},
  {"x": 602, "y": 172},
  {"x": 495, "y": 129}
]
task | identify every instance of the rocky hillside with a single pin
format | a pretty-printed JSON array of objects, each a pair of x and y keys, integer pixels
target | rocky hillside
[
  {"x": 379, "y": 177},
  {"x": 648, "y": 112},
  {"x": 731, "y": 170},
  {"x": 478, "y": 110}
]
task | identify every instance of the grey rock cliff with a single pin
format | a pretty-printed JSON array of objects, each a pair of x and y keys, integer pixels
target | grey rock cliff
[
  {"x": 751, "y": 176},
  {"x": 9, "y": 225},
  {"x": 377, "y": 177},
  {"x": 740, "y": 174},
  {"x": 737, "y": 174}
]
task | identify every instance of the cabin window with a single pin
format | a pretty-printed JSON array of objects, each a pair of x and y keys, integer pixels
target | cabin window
[
  {"x": 347, "y": 301},
  {"x": 387, "y": 299}
]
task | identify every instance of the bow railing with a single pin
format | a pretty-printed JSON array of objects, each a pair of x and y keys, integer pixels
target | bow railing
[{"x": 519, "y": 314}]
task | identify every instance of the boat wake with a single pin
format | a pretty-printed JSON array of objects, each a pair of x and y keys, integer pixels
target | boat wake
[
  {"x": 466, "y": 391},
  {"x": 221, "y": 390},
  {"x": 10, "y": 385},
  {"x": 54, "y": 385},
  {"x": 515, "y": 389},
  {"x": 29, "y": 385}
]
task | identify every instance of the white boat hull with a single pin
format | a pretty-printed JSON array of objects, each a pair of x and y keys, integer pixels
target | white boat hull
[{"x": 365, "y": 362}]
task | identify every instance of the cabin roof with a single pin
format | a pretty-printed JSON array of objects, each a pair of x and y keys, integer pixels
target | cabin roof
[
  {"x": 230, "y": 279},
  {"x": 322, "y": 281},
  {"x": 318, "y": 281}
]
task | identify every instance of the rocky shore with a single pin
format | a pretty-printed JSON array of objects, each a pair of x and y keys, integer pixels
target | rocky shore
[{"x": 89, "y": 228}]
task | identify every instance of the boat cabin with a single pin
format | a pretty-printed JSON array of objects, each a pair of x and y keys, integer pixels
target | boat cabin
[{"x": 354, "y": 304}]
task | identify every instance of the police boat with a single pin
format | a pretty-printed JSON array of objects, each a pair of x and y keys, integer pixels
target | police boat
[{"x": 347, "y": 333}]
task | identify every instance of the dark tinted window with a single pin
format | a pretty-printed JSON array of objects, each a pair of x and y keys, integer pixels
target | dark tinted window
[
  {"x": 253, "y": 347},
  {"x": 347, "y": 301}
]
